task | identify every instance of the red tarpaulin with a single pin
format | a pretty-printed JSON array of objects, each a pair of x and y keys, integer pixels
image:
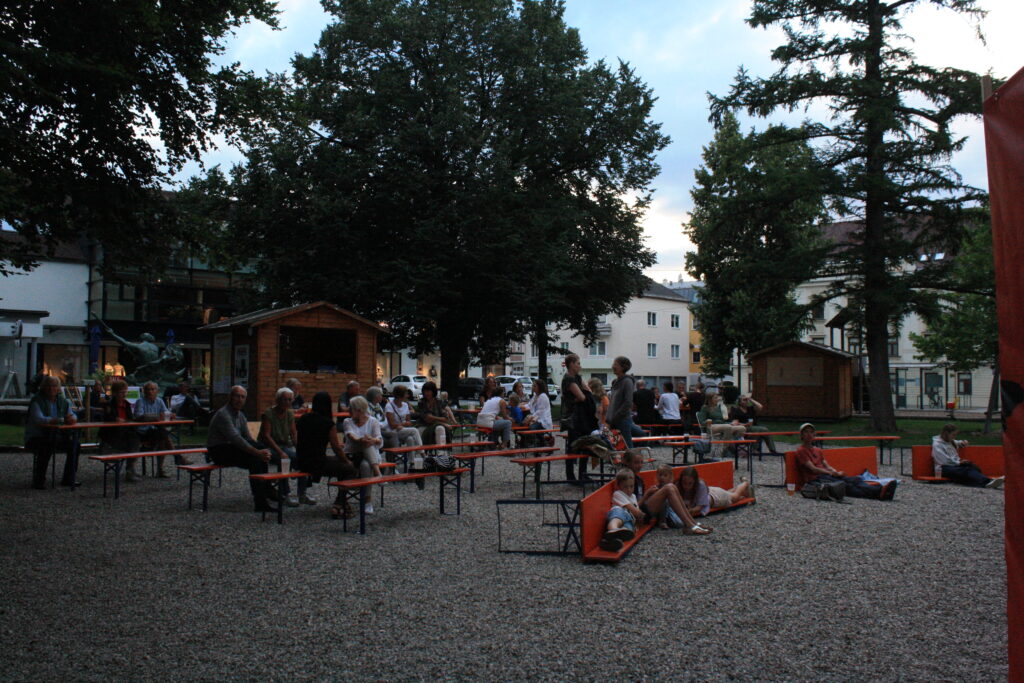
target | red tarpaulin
[{"x": 1004, "y": 143}]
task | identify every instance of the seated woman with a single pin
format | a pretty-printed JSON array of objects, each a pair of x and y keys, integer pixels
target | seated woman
[
  {"x": 524, "y": 400},
  {"x": 48, "y": 407},
  {"x": 119, "y": 439},
  {"x": 701, "y": 498},
  {"x": 436, "y": 418},
  {"x": 314, "y": 431},
  {"x": 663, "y": 499},
  {"x": 712, "y": 416},
  {"x": 745, "y": 413},
  {"x": 948, "y": 464},
  {"x": 494, "y": 415},
  {"x": 490, "y": 387},
  {"x": 397, "y": 427},
  {"x": 362, "y": 441},
  {"x": 277, "y": 432},
  {"x": 540, "y": 407}
]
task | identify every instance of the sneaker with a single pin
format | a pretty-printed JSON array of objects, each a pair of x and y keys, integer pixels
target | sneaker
[
  {"x": 307, "y": 499},
  {"x": 996, "y": 483},
  {"x": 622, "y": 533},
  {"x": 292, "y": 502},
  {"x": 369, "y": 509},
  {"x": 610, "y": 544},
  {"x": 888, "y": 491}
]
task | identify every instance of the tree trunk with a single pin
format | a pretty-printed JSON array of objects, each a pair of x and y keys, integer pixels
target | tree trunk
[
  {"x": 540, "y": 340},
  {"x": 453, "y": 345},
  {"x": 877, "y": 304},
  {"x": 993, "y": 400}
]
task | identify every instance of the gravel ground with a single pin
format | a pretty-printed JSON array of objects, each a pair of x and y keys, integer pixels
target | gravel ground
[{"x": 788, "y": 589}]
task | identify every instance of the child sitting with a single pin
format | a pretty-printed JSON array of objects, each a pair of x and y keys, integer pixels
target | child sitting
[
  {"x": 623, "y": 515},
  {"x": 514, "y": 411},
  {"x": 666, "y": 514}
]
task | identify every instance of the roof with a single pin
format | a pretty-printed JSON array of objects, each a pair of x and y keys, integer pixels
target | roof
[
  {"x": 22, "y": 313},
  {"x": 266, "y": 315},
  {"x": 653, "y": 290},
  {"x": 819, "y": 348},
  {"x": 62, "y": 251}
]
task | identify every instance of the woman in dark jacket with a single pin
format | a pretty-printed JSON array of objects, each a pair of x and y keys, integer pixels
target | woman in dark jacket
[{"x": 315, "y": 430}]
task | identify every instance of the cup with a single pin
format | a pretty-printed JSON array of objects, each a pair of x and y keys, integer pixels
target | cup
[
  {"x": 286, "y": 465},
  {"x": 417, "y": 463},
  {"x": 168, "y": 415},
  {"x": 790, "y": 489}
]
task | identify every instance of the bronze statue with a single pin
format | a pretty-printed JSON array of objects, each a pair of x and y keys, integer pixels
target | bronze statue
[{"x": 166, "y": 367}]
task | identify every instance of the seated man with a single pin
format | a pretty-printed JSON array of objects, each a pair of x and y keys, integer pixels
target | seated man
[
  {"x": 352, "y": 389},
  {"x": 229, "y": 444},
  {"x": 183, "y": 401},
  {"x": 151, "y": 408},
  {"x": 812, "y": 463}
]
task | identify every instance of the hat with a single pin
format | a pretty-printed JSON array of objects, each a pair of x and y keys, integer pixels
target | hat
[{"x": 804, "y": 426}]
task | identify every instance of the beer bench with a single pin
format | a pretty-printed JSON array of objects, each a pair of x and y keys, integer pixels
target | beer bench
[
  {"x": 356, "y": 489},
  {"x": 115, "y": 461}
]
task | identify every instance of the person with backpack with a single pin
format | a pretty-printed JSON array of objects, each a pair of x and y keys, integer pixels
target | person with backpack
[{"x": 811, "y": 462}]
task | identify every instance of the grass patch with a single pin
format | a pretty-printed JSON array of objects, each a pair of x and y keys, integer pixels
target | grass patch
[{"x": 914, "y": 431}]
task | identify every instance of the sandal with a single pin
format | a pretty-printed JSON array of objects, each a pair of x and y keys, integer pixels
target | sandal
[{"x": 699, "y": 530}]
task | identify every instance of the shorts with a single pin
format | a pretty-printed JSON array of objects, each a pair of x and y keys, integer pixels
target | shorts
[
  {"x": 720, "y": 498},
  {"x": 622, "y": 513}
]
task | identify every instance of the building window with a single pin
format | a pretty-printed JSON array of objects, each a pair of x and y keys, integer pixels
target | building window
[
  {"x": 603, "y": 376},
  {"x": 818, "y": 311},
  {"x": 695, "y": 357},
  {"x": 853, "y": 345},
  {"x": 894, "y": 347},
  {"x": 652, "y": 350},
  {"x": 533, "y": 350},
  {"x": 674, "y": 350},
  {"x": 964, "y": 384},
  {"x": 818, "y": 340},
  {"x": 316, "y": 349},
  {"x": 652, "y": 319},
  {"x": 564, "y": 346},
  {"x": 597, "y": 348},
  {"x": 673, "y": 321},
  {"x": 694, "y": 324}
]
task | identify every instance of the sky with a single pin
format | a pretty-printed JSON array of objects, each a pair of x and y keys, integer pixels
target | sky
[{"x": 684, "y": 49}]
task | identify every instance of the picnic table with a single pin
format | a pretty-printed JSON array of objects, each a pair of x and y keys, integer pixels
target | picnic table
[{"x": 77, "y": 429}]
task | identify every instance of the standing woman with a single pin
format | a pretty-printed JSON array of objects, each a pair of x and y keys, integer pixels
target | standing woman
[
  {"x": 48, "y": 407},
  {"x": 620, "y": 410},
  {"x": 315, "y": 430},
  {"x": 578, "y": 414}
]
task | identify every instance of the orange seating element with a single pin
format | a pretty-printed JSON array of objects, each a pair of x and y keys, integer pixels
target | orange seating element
[
  {"x": 989, "y": 459},
  {"x": 852, "y": 461},
  {"x": 594, "y": 509}
]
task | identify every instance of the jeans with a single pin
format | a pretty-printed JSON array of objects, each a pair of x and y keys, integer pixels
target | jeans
[
  {"x": 228, "y": 455},
  {"x": 501, "y": 432},
  {"x": 617, "y": 512},
  {"x": 628, "y": 429},
  {"x": 968, "y": 475}
]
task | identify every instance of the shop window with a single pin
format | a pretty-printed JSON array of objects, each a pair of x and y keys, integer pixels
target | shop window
[{"x": 313, "y": 349}]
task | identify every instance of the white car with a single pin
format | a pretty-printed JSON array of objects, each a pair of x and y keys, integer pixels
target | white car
[
  {"x": 414, "y": 383},
  {"x": 528, "y": 386}
]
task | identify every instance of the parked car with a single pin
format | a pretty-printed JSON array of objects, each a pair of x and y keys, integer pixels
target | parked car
[
  {"x": 414, "y": 383},
  {"x": 528, "y": 385},
  {"x": 505, "y": 382},
  {"x": 470, "y": 387}
]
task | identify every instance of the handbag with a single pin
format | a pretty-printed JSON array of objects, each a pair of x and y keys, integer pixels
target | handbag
[
  {"x": 439, "y": 462},
  {"x": 824, "y": 490}
]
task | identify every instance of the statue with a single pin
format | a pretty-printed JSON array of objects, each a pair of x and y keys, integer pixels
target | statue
[{"x": 166, "y": 367}]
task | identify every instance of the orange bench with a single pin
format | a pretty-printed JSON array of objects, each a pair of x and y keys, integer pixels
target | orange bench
[
  {"x": 989, "y": 459},
  {"x": 594, "y": 509},
  {"x": 115, "y": 461},
  {"x": 534, "y": 465},
  {"x": 853, "y": 461},
  {"x": 402, "y": 452},
  {"x": 279, "y": 478},
  {"x": 356, "y": 488},
  {"x": 471, "y": 458}
]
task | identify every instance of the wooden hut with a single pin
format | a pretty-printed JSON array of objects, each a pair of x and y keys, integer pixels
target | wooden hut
[
  {"x": 322, "y": 345},
  {"x": 803, "y": 381}
]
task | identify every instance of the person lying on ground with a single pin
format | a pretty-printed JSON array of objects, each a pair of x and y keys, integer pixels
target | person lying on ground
[
  {"x": 949, "y": 464},
  {"x": 811, "y": 461}
]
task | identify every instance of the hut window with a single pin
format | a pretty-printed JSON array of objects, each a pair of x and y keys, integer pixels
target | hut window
[{"x": 317, "y": 349}]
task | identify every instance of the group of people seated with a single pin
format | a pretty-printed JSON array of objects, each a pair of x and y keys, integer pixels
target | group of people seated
[{"x": 500, "y": 413}]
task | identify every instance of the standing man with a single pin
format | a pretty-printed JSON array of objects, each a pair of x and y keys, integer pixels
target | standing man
[
  {"x": 645, "y": 404},
  {"x": 229, "y": 444},
  {"x": 574, "y": 419},
  {"x": 812, "y": 463}
]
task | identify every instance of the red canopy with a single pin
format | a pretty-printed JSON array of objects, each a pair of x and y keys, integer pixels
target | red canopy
[{"x": 1004, "y": 142}]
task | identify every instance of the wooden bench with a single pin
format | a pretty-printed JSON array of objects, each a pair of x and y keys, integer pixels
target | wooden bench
[
  {"x": 594, "y": 509},
  {"x": 533, "y": 432},
  {"x": 402, "y": 452},
  {"x": 115, "y": 461},
  {"x": 989, "y": 459},
  {"x": 281, "y": 479},
  {"x": 356, "y": 489},
  {"x": 201, "y": 472},
  {"x": 469, "y": 459},
  {"x": 534, "y": 466},
  {"x": 853, "y": 461}
]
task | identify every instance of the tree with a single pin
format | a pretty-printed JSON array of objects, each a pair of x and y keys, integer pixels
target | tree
[
  {"x": 455, "y": 169},
  {"x": 887, "y": 142},
  {"x": 99, "y": 104},
  {"x": 757, "y": 205}
]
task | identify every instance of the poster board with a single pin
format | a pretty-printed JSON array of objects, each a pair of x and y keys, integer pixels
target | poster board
[
  {"x": 241, "y": 366},
  {"x": 221, "y": 363}
]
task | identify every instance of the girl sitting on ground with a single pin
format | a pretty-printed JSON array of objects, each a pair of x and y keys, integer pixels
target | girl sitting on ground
[
  {"x": 624, "y": 514},
  {"x": 701, "y": 498}
]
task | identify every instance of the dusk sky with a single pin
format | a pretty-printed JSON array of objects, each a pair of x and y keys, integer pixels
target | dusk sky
[{"x": 683, "y": 49}]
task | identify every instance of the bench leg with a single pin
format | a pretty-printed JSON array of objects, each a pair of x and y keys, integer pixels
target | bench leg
[
  {"x": 117, "y": 479},
  {"x": 362, "y": 510},
  {"x": 281, "y": 497},
  {"x": 206, "y": 487},
  {"x": 191, "y": 482},
  {"x": 536, "y": 479},
  {"x": 440, "y": 488}
]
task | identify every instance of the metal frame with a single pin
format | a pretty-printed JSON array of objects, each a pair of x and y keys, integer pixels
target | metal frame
[
  {"x": 570, "y": 522},
  {"x": 447, "y": 479}
]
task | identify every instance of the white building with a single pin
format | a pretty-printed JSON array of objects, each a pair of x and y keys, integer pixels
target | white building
[{"x": 653, "y": 332}]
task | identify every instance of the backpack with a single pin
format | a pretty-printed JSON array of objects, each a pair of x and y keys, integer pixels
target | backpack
[
  {"x": 439, "y": 462},
  {"x": 824, "y": 490}
]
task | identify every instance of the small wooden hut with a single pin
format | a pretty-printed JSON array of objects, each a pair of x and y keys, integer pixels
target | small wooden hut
[{"x": 803, "y": 381}]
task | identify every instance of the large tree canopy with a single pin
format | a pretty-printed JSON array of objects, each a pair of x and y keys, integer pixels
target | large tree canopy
[
  {"x": 455, "y": 169},
  {"x": 888, "y": 140},
  {"x": 99, "y": 103},
  {"x": 757, "y": 204}
]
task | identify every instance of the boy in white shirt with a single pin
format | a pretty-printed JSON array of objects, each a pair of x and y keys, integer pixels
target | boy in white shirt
[{"x": 624, "y": 514}]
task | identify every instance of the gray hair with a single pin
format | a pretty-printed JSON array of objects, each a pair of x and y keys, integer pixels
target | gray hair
[
  {"x": 292, "y": 382},
  {"x": 359, "y": 403},
  {"x": 149, "y": 384},
  {"x": 283, "y": 391},
  {"x": 373, "y": 393}
]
